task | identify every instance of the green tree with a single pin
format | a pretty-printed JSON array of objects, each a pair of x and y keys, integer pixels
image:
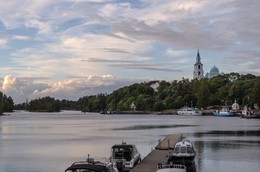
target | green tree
[
  {"x": 203, "y": 94},
  {"x": 6, "y": 103},
  {"x": 158, "y": 106},
  {"x": 255, "y": 94},
  {"x": 1, "y": 103},
  {"x": 45, "y": 104}
]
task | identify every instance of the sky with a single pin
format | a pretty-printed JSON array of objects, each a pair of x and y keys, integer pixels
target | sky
[{"x": 68, "y": 49}]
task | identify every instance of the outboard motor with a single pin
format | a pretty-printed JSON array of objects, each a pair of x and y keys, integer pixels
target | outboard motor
[{"x": 120, "y": 165}]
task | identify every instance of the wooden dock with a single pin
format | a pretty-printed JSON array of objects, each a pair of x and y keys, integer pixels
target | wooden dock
[{"x": 158, "y": 155}]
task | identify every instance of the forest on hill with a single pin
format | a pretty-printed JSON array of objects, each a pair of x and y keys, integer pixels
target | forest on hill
[{"x": 163, "y": 95}]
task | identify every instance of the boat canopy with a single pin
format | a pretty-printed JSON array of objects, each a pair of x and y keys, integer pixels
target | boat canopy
[
  {"x": 87, "y": 167},
  {"x": 123, "y": 151}
]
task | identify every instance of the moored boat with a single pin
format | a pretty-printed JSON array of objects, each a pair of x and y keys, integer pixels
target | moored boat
[
  {"x": 223, "y": 112},
  {"x": 125, "y": 156},
  {"x": 248, "y": 113},
  {"x": 189, "y": 111},
  {"x": 91, "y": 166},
  {"x": 183, "y": 152}
]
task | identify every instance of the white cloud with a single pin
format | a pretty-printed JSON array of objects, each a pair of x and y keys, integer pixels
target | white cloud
[
  {"x": 71, "y": 89},
  {"x": 168, "y": 11},
  {"x": 9, "y": 82},
  {"x": 171, "y": 52},
  {"x": 71, "y": 56},
  {"x": 21, "y": 37},
  {"x": 3, "y": 41},
  {"x": 43, "y": 27}
]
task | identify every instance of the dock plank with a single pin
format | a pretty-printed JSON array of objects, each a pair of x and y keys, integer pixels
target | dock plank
[{"x": 158, "y": 155}]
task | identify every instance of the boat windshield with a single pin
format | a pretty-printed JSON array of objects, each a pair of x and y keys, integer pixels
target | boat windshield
[
  {"x": 122, "y": 153},
  {"x": 177, "y": 150},
  {"x": 189, "y": 150},
  {"x": 183, "y": 149}
]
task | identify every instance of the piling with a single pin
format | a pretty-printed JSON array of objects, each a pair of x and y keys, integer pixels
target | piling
[{"x": 158, "y": 155}]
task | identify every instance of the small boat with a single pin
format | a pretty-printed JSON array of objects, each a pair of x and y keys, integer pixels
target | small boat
[
  {"x": 91, "y": 166},
  {"x": 125, "y": 156},
  {"x": 248, "y": 113},
  {"x": 171, "y": 168},
  {"x": 183, "y": 152},
  {"x": 223, "y": 112},
  {"x": 189, "y": 111}
]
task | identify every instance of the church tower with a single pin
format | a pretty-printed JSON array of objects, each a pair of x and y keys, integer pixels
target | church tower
[{"x": 198, "y": 68}]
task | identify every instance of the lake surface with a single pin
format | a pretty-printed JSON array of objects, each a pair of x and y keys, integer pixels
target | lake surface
[{"x": 39, "y": 142}]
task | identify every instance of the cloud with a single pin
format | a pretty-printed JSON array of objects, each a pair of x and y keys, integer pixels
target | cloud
[
  {"x": 21, "y": 89},
  {"x": 21, "y": 37},
  {"x": 247, "y": 60},
  {"x": 171, "y": 52},
  {"x": 3, "y": 41},
  {"x": 43, "y": 27}
]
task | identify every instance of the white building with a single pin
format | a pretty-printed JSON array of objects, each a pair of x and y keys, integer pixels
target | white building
[{"x": 198, "y": 72}]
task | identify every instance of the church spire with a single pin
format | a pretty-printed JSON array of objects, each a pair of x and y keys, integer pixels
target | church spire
[
  {"x": 198, "y": 57},
  {"x": 198, "y": 68}
]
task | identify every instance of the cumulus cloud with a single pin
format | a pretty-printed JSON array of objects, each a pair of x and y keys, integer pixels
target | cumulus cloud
[{"x": 21, "y": 89}]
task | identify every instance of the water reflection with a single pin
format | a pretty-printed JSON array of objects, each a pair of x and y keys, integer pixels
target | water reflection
[
  {"x": 228, "y": 133},
  {"x": 220, "y": 147},
  {"x": 52, "y": 141},
  {"x": 148, "y": 127}
]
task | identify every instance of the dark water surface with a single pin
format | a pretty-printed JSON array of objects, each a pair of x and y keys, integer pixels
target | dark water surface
[{"x": 39, "y": 142}]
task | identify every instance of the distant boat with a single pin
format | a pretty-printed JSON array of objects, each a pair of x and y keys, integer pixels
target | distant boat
[
  {"x": 247, "y": 113},
  {"x": 223, "y": 112},
  {"x": 123, "y": 112},
  {"x": 189, "y": 111}
]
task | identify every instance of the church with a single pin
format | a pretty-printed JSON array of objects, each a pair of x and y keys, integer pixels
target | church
[{"x": 198, "y": 72}]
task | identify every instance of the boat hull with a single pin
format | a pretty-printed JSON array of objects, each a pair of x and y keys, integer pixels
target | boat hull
[
  {"x": 188, "y": 113},
  {"x": 181, "y": 159},
  {"x": 227, "y": 114}
]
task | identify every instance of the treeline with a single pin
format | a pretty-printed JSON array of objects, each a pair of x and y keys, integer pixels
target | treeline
[
  {"x": 6, "y": 103},
  {"x": 45, "y": 104},
  {"x": 163, "y": 95}
]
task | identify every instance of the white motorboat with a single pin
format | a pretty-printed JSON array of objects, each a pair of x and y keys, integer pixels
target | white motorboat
[
  {"x": 171, "y": 168},
  {"x": 189, "y": 111},
  {"x": 125, "y": 156},
  {"x": 91, "y": 166}
]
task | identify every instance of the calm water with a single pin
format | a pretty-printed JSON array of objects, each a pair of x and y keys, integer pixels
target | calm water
[{"x": 39, "y": 142}]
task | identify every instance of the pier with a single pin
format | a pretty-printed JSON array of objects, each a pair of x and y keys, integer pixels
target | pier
[{"x": 158, "y": 155}]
